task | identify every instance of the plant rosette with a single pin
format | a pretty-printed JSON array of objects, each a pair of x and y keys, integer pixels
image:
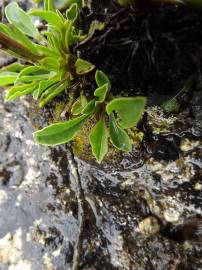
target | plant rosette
[
  {"x": 50, "y": 69},
  {"x": 114, "y": 117}
]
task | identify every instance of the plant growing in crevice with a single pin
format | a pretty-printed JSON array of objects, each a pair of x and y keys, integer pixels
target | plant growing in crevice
[
  {"x": 114, "y": 117},
  {"x": 50, "y": 68}
]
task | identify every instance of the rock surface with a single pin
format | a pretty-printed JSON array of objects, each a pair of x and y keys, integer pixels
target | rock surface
[{"x": 40, "y": 220}]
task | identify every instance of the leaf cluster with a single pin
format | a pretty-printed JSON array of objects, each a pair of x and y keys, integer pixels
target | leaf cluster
[
  {"x": 114, "y": 117},
  {"x": 50, "y": 68}
]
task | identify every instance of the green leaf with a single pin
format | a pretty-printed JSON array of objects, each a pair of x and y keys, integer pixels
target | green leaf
[
  {"x": 31, "y": 70},
  {"x": 14, "y": 67},
  {"x": 60, "y": 133},
  {"x": 14, "y": 33},
  {"x": 68, "y": 33},
  {"x": 43, "y": 85},
  {"x": 72, "y": 12},
  {"x": 49, "y": 5},
  {"x": 55, "y": 41},
  {"x": 51, "y": 17},
  {"x": 49, "y": 52},
  {"x": 21, "y": 38},
  {"x": 35, "y": 94},
  {"x": 6, "y": 30},
  {"x": 99, "y": 140},
  {"x": 50, "y": 63},
  {"x": 78, "y": 105},
  {"x": 13, "y": 47},
  {"x": 52, "y": 92},
  {"x": 130, "y": 110},
  {"x": 118, "y": 136},
  {"x": 60, "y": 14},
  {"x": 101, "y": 78},
  {"x": 83, "y": 66},
  {"x": 31, "y": 78},
  {"x": 49, "y": 90},
  {"x": 101, "y": 93},
  {"x": 21, "y": 20},
  {"x": 96, "y": 25},
  {"x": 7, "y": 78},
  {"x": 20, "y": 90},
  {"x": 89, "y": 108}
]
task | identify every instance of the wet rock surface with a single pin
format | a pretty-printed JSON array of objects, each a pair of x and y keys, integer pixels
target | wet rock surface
[
  {"x": 42, "y": 222},
  {"x": 34, "y": 222}
]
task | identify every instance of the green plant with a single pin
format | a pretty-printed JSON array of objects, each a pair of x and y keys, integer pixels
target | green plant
[
  {"x": 50, "y": 68},
  {"x": 113, "y": 118}
]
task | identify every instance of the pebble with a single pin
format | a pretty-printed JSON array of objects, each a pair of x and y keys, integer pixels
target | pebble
[
  {"x": 149, "y": 225},
  {"x": 198, "y": 186},
  {"x": 171, "y": 215}
]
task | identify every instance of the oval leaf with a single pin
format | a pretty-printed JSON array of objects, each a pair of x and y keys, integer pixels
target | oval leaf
[
  {"x": 28, "y": 71},
  {"x": 101, "y": 78},
  {"x": 130, "y": 110},
  {"x": 59, "y": 133},
  {"x": 99, "y": 140},
  {"x": 21, "y": 20},
  {"x": 72, "y": 12},
  {"x": 101, "y": 93},
  {"x": 20, "y": 90},
  {"x": 118, "y": 136},
  {"x": 49, "y": 16},
  {"x": 83, "y": 66}
]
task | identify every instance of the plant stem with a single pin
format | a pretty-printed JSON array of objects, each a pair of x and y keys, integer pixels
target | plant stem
[{"x": 9, "y": 44}]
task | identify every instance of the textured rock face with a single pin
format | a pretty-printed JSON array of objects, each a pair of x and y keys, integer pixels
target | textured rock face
[
  {"x": 42, "y": 224},
  {"x": 30, "y": 208}
]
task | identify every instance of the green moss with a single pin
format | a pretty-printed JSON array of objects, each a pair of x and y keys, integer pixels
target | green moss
[
  {"x": 82, "y": 149},
  {"x": 81, "y": 145},
  {"x": 136, "y": 136}
]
